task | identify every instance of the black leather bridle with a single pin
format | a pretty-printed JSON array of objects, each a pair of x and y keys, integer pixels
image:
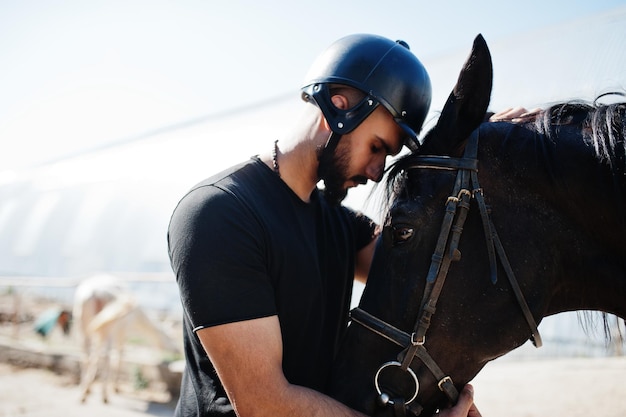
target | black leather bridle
[{"x": 466, "y": 187}]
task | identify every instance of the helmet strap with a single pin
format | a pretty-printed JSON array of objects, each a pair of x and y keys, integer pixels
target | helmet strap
[
  {"x": 325, "y": 155},
  {"x": 332, "y": 142}
]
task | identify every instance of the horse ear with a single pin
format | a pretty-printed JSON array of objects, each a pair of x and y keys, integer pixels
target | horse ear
[{"x": 466, "y": 106}]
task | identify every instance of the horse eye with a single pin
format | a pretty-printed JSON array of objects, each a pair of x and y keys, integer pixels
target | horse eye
[{"x": 402, "y": 234}]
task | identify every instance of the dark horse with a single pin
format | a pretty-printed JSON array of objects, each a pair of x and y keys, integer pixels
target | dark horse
[{"x": 520, "y": 220}]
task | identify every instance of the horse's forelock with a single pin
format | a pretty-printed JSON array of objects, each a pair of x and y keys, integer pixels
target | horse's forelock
[{"x": 395, "y": 178}]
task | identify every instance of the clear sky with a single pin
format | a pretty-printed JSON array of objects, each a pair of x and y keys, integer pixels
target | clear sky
[{"x": 75, "y": 74}]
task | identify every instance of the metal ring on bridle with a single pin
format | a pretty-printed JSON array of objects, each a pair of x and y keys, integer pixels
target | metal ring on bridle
[{"x": 398, "y": 364}]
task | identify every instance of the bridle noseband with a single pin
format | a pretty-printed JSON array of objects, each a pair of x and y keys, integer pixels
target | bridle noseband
[{"x": 466, "y": 187}]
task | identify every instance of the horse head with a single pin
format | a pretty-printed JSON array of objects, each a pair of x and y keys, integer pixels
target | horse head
[{"x": 504, "y": 248}]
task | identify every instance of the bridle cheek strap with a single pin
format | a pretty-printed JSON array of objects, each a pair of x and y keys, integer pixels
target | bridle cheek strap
[{"x": 467, "y": 177}]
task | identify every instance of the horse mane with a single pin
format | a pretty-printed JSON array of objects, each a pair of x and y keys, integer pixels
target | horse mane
[{"x": 603, "y": 127}]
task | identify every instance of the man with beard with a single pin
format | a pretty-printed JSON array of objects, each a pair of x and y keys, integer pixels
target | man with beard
[{"x": 265, "y": 261}]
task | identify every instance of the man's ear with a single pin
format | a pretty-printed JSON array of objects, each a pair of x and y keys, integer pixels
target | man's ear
[{"x": 340, "y": 101}]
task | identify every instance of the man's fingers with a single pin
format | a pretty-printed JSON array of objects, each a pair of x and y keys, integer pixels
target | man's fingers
[
  {"x": 515, "y": 115},
  {"x": 465, "y": 405}
]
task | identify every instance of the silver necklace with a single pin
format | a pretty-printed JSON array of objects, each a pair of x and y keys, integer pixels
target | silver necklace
[{"x": 275, "y": 158}]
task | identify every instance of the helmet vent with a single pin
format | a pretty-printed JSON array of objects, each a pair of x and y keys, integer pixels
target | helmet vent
[{"x": 403, "y": 43}]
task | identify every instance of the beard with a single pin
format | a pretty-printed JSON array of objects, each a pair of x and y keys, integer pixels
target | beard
[{"x": 333, "y": 170}]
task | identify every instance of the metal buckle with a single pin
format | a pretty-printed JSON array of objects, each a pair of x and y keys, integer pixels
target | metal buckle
[
  {"x": 443, "y": 381},
  {"x": 417, "y": 342}
]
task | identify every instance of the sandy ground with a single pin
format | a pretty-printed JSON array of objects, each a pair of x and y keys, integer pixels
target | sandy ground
[
  {"x": 41, "y": 393},
  {"x": 553, "y": 388},
  {"x": 27, "y": 388},
  {"x": 546, "y": 388},
  {"x": 567, "y": 387}
]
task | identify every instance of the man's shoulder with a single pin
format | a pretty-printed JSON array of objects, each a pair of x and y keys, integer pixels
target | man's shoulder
[
  {"x": 230, "y": 174},
  {"x": 233, "y": 180},
  {"x": 226, "y": 189}
]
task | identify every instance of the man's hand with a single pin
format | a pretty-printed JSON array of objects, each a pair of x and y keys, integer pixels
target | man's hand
[
  {"x": 515, "y": 115},
  {"x": 464, "y": 407}
]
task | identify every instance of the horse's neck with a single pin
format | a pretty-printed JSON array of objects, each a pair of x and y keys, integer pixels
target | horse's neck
[
  {"x": 593, "y": 269},
  {"x": 575, "y": 224},
  {"x": 591, "y": 252},
  {"x": 562, "y": 171},
  {"x": 602, "y": 288},
  {"x": 599, "y": 210}
]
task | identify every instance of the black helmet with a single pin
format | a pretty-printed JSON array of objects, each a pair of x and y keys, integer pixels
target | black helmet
[{"x": 386, "y": 71}]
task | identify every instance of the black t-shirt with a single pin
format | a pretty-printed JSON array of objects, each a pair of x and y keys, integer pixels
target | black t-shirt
[{"x": 244, "y": 246}]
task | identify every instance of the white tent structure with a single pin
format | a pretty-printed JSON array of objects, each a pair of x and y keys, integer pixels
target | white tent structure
[{"x": 108, "y": 210}]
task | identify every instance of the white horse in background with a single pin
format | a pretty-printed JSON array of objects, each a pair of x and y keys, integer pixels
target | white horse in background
[{"x": 105, "y": 315}]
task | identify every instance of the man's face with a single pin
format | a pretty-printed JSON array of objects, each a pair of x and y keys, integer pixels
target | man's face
[{"x": 360, "y": 155}]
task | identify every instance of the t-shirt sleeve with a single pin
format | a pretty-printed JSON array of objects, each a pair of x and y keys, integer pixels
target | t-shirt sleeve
[{"x": 217, "y": 253}]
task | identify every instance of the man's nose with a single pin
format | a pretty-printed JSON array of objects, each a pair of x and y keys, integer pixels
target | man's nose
[{"x": 375, "y": 171}]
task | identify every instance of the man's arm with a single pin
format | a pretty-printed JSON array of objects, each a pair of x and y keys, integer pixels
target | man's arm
[
  {"x": 248, "y": 358},
  {"x": 364, "y": 261}
]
